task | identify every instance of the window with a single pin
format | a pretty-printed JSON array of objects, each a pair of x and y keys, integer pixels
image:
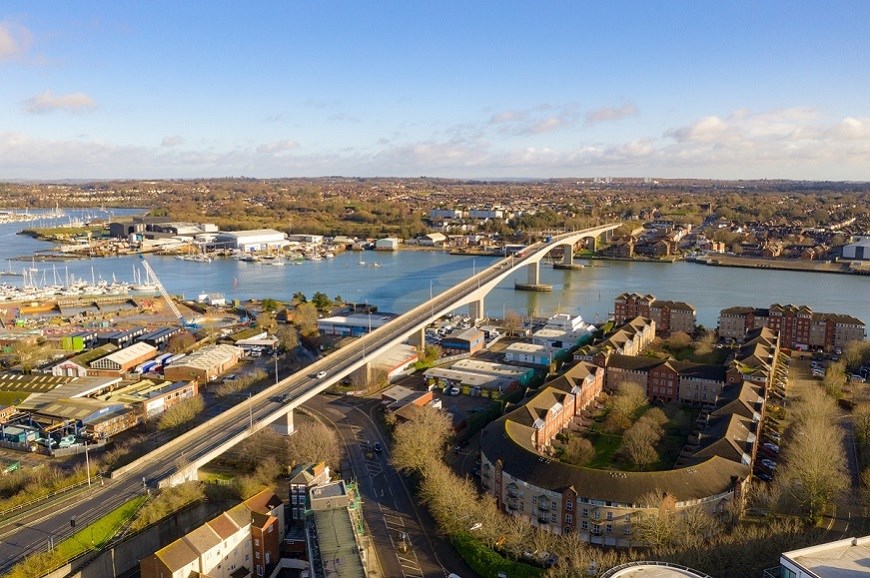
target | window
[
  {"x": 259, "y": 570},
  {"x": 267, "y": 557},
  {"x": 553, "y": 517},
  {"x": 609, "y": 528},
  {"x": 257, "y": 555},
  {"x": 609, "y": 515},
  {"x": 584, "y": 524},
  {"x": 568, "y": 518},
  {"x": 569, "y": 505},
  {"x": 256, "y": 541},
  {"x": 553, "y": 505},
  {"x": 271, "y": 528},
  {"x": 585, "y": 512},
  {"x": 247, "y": 557}
]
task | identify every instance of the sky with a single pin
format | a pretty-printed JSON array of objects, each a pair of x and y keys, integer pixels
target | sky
[{"x": 464, "y": 89}]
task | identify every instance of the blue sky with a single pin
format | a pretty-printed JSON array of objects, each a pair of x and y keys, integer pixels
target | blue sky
[{"x": 453, "y": 89}]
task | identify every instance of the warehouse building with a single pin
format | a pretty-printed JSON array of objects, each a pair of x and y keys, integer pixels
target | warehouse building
[
  {"x": 79, "y": 365},
  {"x": 859, "y": 250},
  {"x": 205, "y": 364},
  {"x": 124, "y": 359},
  {"x": 159, "y": 337},
  {"x": 253, "y": 240},
  {"x": 467, "y": 340}
]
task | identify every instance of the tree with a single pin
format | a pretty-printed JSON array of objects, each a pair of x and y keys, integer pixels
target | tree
[
  {"x": 512, "y": 322},
  {"x": 288, "y": 337},
  {"x": 270, "y": 304},
  {"x": 420, "y": 441},
  {"x": 321, "y": 301},
  {"x": 181, "y": 413},
  {"x": 835, "y": 379},
  {"x": 180, "y": 342},
  {"x": 305, "y": 319},
  {"x": 638, "y": 442},
  {"x": 815, "y": 471},
  {"x": 579, "y": 451},
  {"x": 314, "y": 443},
  {"x": 678, "y": 341},
  {"x": 861, "y": 423}
]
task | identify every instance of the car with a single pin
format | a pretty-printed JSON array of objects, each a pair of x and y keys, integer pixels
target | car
[
  {"x": 378, "y": 447},
  {"x": 771, "y": 447},
  {"x": 452, "y": 391},
  {"x": 763, "y": 476},
  {"x": 320, "y": 374},
  {"x": 769, "y": 464}
]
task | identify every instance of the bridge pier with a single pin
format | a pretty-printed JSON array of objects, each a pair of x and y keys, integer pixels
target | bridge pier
[
  {"x": 533, "y": 270},
  {"x": 567, "y": 259},
  {"x": 418, "y": 339},
  {"x": 475, "y": 310},
  {"x": 284, "y": 425}
]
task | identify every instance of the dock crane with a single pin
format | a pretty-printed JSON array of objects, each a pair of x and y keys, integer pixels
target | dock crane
[{"x": 164, "y": 293}]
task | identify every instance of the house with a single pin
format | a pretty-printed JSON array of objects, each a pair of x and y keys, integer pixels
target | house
[
  {"x": 467, "y": 340},
  {"x": 432, "y": 240},
  {"x": 241, "y": 542},
  {"x": 387, "y": 244}
]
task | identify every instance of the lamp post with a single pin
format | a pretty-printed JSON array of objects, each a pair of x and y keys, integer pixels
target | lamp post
[
  {"x": 87, "y": 464},
  {"x": 250, "y": 411},
  {"x": 431, "y": 305},
  {"x": 276, "y": 367}
]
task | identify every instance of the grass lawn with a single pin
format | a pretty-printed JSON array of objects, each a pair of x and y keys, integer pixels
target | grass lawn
[
  {"x": 13, "y": 397},
  {"x": 100, "y": 532},
  {"x": 605, "y": 447}
]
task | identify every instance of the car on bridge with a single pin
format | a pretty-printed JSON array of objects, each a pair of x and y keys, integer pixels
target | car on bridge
[{"x": 320, "y": 374}]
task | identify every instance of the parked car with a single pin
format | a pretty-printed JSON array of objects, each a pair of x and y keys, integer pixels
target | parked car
[
  {"x": 769, "y": 464},
  {"x": 320, "y": 374},
  {"x": 771, "y": 447},
  {"x": 378, "y": 447},
  {"x": 764, "y": 476},
  {"x": 452, "y": 390}
]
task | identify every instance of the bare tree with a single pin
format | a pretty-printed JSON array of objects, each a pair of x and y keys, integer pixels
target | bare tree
[
  {"x": 579, "y": 451},
  {"x": 181, "y": 413},
  {"x": 815, "y": 471},
  {"x": 420, "y": 441},
  {"x": 313, "y": 443},
  {"x": 861, "y": 423},
  {"x": 288, "y": 337},
  {"x": 181, "y": 342},
  {"x": 305, "y": 319},
  {"x": 512, "y": 322}
]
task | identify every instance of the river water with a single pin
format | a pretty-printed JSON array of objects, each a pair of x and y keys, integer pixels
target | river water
[{"x": 403, "y": 279}]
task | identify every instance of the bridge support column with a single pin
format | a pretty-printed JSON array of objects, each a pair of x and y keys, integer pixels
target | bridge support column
[
  {"x": 591, "y": 243},
  {"x": 475, "y": 310},
  {"x": 533, "y": 271},
  {"x": 284, "y": 425},
  {"x": 567, "y": 259},
  {"x": 361, "y": 376},
  {"x": 418, "y": 339},
  {"x": 608, "y": 235}
]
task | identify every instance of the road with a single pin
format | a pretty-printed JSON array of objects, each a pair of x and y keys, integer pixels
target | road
[
  {"x": 388, "y": 505},
  {"x": 210, "y": 439}
]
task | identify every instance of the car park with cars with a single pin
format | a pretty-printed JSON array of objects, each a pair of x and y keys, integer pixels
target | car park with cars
[{"x": 768, "y": 463}]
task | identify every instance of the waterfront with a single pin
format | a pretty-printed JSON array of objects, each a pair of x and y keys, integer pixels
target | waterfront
[{"x": 402, "y": 280}]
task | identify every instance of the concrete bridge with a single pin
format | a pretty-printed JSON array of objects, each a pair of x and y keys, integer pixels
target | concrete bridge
[{"x": 178, "y": 460}]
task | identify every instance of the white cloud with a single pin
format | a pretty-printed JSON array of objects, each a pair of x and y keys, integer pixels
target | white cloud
[
  {"x": 508, "y": 116},
  {"x": 172, "y": 141},
  {"x": 606, "y": 114},
  {"x": 792, "y": 143},
  {"x": 75, "y": 102},
  {"x": 277, "y": 147},
  {"x": 706, "y": 129},
  {"x": 14, "y": 40}
]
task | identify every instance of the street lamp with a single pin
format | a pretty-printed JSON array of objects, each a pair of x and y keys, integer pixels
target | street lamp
[
  {"x": 87, "y": 464},
  {"x": 276, "y": 367},
  {"x": 250, "y": 411}
]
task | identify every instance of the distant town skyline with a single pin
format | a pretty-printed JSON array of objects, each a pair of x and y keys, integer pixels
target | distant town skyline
[{"x": 446, "y": 89}]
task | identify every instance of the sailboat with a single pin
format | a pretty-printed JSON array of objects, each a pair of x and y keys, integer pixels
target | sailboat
[{"x": 147, "y": 286}]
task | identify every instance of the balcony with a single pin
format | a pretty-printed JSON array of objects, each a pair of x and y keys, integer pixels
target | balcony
[{"x": 544, "y": 506}]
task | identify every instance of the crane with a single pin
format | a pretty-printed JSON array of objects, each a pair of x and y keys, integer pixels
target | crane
[{"x": 163, "y": 292}]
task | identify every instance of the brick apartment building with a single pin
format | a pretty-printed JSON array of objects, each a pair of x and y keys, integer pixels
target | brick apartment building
[
  {"x": 799, "y": 327},
  {"x": 670, "y": 316}
]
